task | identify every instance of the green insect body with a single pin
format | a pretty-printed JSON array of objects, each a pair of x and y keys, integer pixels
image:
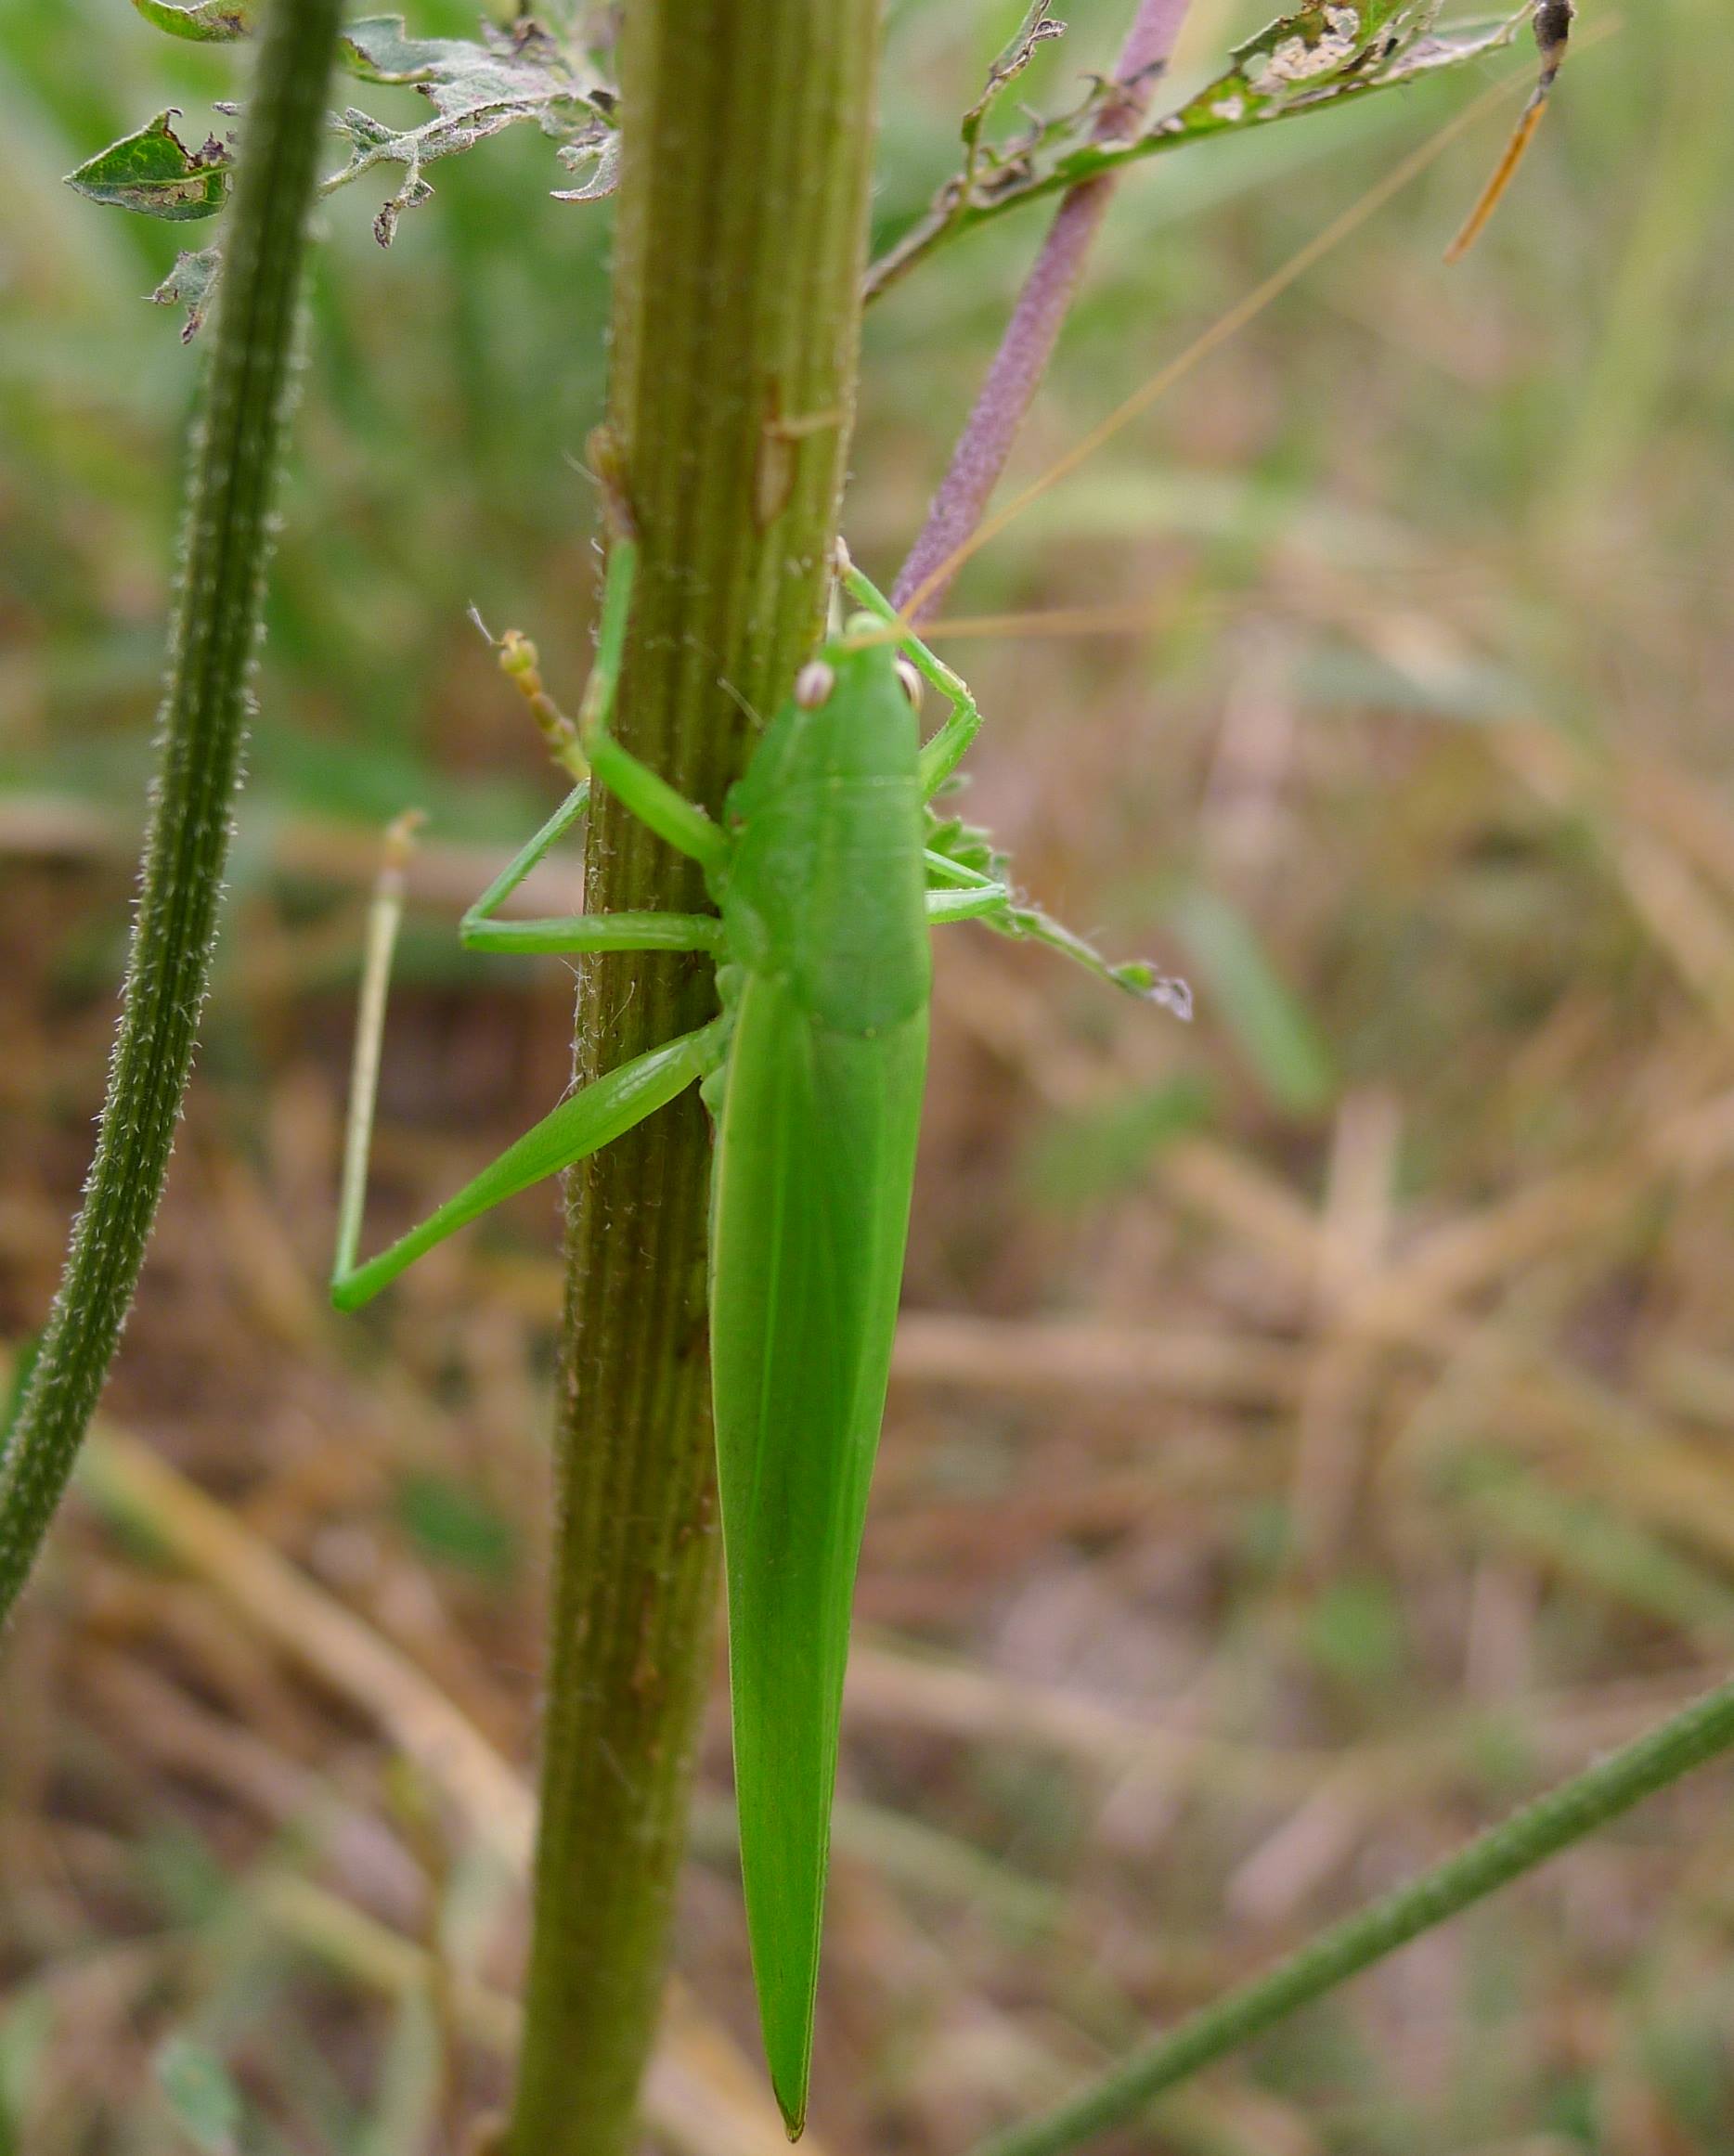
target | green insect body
[
  {"x": 815, "y": 1158},
  {"x": 827, "y": 869}
]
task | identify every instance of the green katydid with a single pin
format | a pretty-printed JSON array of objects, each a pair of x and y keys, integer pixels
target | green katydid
[
  {"x": 829, "y": 865},
  {"x": 827, "y": 868}
]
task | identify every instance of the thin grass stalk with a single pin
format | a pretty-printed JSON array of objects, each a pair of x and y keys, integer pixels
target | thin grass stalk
[
  {"x": 746, "y": 131},
  {"x": 1033, "y": 332},
  {"x": 1553, "y": 1823},
  {"x": 214, "y": 646}
]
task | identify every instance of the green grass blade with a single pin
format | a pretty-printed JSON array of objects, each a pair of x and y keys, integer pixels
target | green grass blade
[
  {"x": 1235, "y": 978},
  {"x": 1578, "y": 1808}
]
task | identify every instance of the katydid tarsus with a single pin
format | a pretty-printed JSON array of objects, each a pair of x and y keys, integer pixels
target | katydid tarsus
[{"x": 827, "y": 868}]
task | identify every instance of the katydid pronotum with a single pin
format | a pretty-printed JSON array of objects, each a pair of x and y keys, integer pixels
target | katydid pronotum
[{"x": 827, "y": 868}]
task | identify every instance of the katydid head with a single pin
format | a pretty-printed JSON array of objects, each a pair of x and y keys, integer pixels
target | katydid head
[{"x": 867, "y": 631}]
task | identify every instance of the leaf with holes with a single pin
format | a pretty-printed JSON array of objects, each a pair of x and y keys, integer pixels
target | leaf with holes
[
  {"x": 1037, "y": 29},
  {"x": 1324, "y": 55},
  {"x": 191, "y": 284},
  {"x": 476, "y": 89},
  {"x": 207, "y": 22},
  {"x": 155, "y": 172}
]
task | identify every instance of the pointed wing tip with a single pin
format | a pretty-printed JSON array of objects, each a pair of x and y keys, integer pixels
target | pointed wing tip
[{"x": 786, "y": 2025}]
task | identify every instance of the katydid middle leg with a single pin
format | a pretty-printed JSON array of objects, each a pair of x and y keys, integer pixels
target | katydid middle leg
[
  {"x": 583, "y": 1123},
  {"x": 611, "y": 1104},
  {"x": 981, "y": 902},
  {"x": 482, "y": 930},
  {"x": 968, "y": 894},
  {"x": 651, "y": 799}
]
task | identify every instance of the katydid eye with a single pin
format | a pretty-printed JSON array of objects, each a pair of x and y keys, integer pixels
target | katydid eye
[
  {"x": 813, "y": 684},
  {"x": 909, "y": 680}
]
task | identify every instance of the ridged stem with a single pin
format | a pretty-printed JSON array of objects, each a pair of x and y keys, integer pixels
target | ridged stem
[
  {"x": 746, "y": 133},
  {"x": 1529, "y": 1837},
  {"x": 226, "y": 544}
]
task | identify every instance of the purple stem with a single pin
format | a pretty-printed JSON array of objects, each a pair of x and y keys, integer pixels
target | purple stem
[{"x": 1033, "y": 330}]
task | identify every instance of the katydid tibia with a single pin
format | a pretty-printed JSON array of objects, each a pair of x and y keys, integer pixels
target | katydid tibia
[{"x": 827, "y": 869}]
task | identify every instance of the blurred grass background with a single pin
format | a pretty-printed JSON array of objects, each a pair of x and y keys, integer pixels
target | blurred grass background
[{"x": 1310, "y": 1430}]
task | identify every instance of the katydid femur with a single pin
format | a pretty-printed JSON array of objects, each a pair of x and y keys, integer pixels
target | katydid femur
[{"x": 827, "y": 868}]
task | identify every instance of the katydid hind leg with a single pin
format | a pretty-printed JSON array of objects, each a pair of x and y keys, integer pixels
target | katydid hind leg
[
  {"x": 583, "y": 1123},
  {"x": 385, "y": 919},
  {"x": 580, "y": 1124}
]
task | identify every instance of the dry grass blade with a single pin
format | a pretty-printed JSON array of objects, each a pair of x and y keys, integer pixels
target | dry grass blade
[
  {"x": 701, "y": 2093},
  {"x": 1068, "y": 1357}
]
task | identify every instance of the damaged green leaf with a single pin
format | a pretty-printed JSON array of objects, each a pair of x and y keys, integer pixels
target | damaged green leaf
[
  {"x": 603, "y": 159},
  {"x": 1320, "y": 55},
  {"x": 191, "y": 284},
  {"x": 207, "y": 22},
  {"x": 153, "y": 172},
  {"x": 476, "y": 89},
  {"x": 1037, "y": 29}
]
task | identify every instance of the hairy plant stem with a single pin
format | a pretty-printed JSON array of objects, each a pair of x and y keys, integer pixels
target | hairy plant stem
[
  {"x": 1577, "y": 1808},
  {"x": 215, "y": 638},
  {"x": 1034, "y": 328},
  {"x": 746, "y": 136}
]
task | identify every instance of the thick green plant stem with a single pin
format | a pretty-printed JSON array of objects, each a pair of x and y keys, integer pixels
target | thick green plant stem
[
  {"x": 746, "y": 136},
  {"x": 215, "y": 637},
  {"x": 1529, "y": 1837}
]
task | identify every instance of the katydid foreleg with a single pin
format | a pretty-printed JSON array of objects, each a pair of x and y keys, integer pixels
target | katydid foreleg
[
  {"x": 965, "y": 893},
  {"x": 946, "y": 748},
  {"x": 675, "y": 820}
]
